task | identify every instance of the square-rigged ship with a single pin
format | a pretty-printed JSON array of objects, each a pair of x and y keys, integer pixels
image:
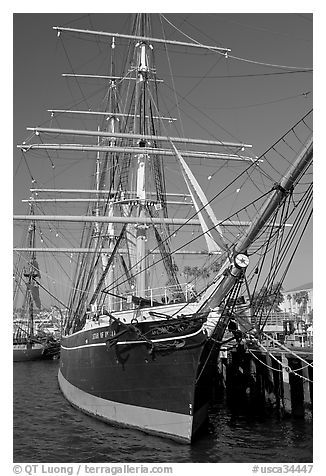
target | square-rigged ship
[
  {"x": 140, "y": 346},
  {"x": 30, "y": 343}
]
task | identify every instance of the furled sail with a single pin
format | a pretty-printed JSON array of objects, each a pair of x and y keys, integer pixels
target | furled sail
[
  {"x": 202, "y": 207},
  {"x": 34, "y": 289}
]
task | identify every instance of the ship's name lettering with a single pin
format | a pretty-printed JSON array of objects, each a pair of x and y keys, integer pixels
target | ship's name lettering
[
  {"x": 102, "y": 334},
  {"x": 168, "y": 329}
]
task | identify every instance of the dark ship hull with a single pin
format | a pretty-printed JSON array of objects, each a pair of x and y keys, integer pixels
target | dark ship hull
[{"x": 160, "y": 385}]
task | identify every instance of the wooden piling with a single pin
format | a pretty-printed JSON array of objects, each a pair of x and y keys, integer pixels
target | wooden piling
[
  {"x": 286, "y": 405},
  {"x": 269, "y": 381},
  {"x": 252, "y": 380},
  {"x": 221, "y": 367},
  {"x": 296, "y": 383},
  {"x": 307, "y": 400},
  {"x": 263, "y": 381}
]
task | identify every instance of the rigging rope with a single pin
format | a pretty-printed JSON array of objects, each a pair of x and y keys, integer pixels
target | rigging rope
[
  {"x": 244, "y": 75},
  {"x": 190, "y": 241},
  {"x": 246, "y": 106},
  {"x": 194, "y": 239},
  {"x": 227, "y": 55}
]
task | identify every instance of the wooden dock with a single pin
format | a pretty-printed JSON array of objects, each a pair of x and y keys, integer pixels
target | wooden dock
[{"x": 274, "y": 380}]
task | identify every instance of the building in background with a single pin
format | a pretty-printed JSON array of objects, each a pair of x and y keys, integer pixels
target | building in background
[
  {"x": 298, "y": 302},
  {"x": 292, "y": 324}
]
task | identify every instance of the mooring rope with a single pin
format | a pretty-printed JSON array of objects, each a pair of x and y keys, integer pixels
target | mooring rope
[
  {"x": 263, "y": 363},
  {"x": 273, "y": 368},
  {"x": 285, "y": 367},
  {"x": 287, "y": 349}
]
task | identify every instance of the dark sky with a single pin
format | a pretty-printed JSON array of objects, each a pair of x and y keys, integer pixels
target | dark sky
[{"x": 256, "y": 108}]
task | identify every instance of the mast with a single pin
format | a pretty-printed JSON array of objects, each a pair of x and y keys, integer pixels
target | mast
[
  {"x": 142, "y": 59},
  {"x": 97, "y": 210},
  {"x": 107, "y": 271},
  {"x": 30, "y": 281},
  {"x": 110, "y": 230},
  {"x": 30, "y": 273}
]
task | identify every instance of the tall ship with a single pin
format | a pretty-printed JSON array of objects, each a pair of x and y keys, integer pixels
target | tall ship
[
  {"x": 158, "y": 264},
  {"x": 28, "y": 342}
]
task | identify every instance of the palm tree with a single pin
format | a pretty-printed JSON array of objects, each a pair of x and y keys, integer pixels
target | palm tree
[
  {"x": 301, "y": 298},
  {"x": 269, "y": 298},
  {"x": 215, "y": 267},
  {"x": 205, "y": 274},
  {"x": 196, "y": 273},
  {"x": 289, "y": 298},
  {"x": 187, "y": 271}
]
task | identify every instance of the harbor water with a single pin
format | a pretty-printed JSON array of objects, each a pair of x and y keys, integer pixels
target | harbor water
[{"x": 48, "y": 429}]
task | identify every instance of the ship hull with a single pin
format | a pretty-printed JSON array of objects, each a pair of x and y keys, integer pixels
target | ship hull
[
  {"x": 28, "y": 352},
  {"x": 23, "y": 352},
  {"x": 161, "y": 389}
]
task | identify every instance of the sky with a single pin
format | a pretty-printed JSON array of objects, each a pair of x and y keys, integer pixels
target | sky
[{"x": 256, "y": 108}]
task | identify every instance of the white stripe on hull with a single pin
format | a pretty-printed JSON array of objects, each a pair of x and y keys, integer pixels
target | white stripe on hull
[
  {"x": 168, "y": 424},
  {"x": 129, "y": 342}
]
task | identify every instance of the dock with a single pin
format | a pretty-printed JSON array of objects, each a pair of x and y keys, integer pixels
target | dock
[{"x": 274, "y": 380}]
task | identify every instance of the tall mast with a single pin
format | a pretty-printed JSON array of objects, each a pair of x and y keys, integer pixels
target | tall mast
[
  {"x": 97, "y": 207},
  {"x": 30, "y": 280},
  {"x": 101, "y": 178},
  {"x": 29, "y": 275},
  {"x": 110, "y": 231},
  {"x": 142, "y": 59},
  {"x": 112, "y": 128}
]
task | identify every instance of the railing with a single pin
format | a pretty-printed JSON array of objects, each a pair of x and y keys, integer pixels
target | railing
[
  {"x": 166, "y": 294},
  {"x": 274, "y": 318},
  {"x": 155, "y": 296}
]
